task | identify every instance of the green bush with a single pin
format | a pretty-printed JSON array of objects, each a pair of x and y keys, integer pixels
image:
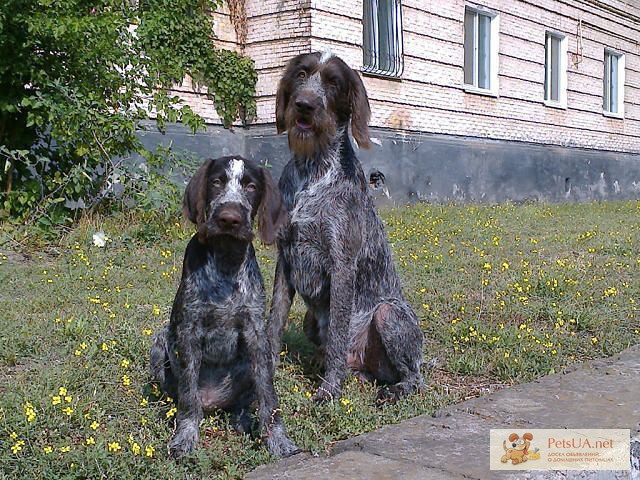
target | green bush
[{"x": 77, "y": 78}]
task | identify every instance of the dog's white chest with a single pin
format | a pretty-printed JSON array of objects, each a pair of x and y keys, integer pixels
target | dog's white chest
[
  {"x": 311, "y": 202},
  {"x": 308, "y": 251}
]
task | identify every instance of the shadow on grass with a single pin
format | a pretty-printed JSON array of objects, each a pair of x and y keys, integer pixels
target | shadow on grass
[{"x": 301, "y": 351}]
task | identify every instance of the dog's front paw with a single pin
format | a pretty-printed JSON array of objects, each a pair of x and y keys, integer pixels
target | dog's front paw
[
  {"x": 388, "y": 394},
  {"x": 279, "y": 445},
  {"x": 327, "y": 392},
  {"x": 184, "y": 441}
]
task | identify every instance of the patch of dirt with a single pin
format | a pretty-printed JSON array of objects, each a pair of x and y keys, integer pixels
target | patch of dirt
[{"x": 464, "y": 387}]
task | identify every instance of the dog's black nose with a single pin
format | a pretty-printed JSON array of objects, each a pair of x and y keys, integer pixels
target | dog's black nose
[
  {"x": 304, "y": 105},
  {"x": 229, "y": 220}
]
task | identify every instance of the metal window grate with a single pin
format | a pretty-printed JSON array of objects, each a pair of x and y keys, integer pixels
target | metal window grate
[{"x": 382, "y": 42}]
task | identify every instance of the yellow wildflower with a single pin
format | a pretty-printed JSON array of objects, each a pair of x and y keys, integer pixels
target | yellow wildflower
[
  {"x": 114, "y": 447},
  {"x": 149, "y": 451},
  {"x": 29, "y": 412},
  {"x": 172, "y": 411},
  {"x": 90, "y": 441},
  {"x": 135, "y": 448},
  {"x": 17, "y": 447}
]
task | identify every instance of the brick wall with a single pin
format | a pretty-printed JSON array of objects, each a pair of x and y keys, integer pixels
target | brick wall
[
  {"x": 276, "y": 31},
  {"x": 430, "y": 96}
]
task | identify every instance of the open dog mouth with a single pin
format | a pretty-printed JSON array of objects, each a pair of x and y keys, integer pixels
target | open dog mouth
[{"x": 303, "y": 125}]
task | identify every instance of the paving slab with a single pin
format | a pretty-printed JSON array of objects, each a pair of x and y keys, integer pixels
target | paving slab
[{"x": 454, "y": 443}]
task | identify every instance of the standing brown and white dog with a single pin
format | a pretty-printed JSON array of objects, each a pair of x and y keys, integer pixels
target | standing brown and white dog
[{"x": 334, "y": 251}]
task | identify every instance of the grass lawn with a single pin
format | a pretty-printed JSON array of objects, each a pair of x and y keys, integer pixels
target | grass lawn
[{"x": 504, "y": 294}]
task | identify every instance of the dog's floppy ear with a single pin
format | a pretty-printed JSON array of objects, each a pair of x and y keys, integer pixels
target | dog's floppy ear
[
  {"x": 528, "y": 436},
  {"x": 513, "y": 437},
  {"x": 195, "y": 196},
  {"x": 271, "y": 212},
  {"x": 282, "y": 99},
  {"x": 360, "y": 111}
]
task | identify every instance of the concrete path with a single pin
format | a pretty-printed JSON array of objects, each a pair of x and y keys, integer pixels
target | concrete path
[{"x": 454, "y": 444}]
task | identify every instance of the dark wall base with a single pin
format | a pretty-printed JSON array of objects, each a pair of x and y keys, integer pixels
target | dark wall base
[{"x": 440, "y": 168}]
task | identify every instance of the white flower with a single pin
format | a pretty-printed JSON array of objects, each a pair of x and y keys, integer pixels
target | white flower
[{"x": 99, "y": 239}]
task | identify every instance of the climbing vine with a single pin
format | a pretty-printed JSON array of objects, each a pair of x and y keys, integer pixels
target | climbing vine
[{"x": 238, "y": 13}]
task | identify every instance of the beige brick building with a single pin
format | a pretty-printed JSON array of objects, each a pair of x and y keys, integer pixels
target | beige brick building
[{"x": 490, "y": 100}]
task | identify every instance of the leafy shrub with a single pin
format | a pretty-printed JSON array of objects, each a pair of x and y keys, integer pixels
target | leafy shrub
[{"x": 78, "y": 77}]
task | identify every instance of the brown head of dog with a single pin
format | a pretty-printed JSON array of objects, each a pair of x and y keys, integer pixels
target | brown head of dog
[
  {"x": 518, "y": 449},
  {"x": 318, "y": 94},
  {"x": 226, "y": 194}
]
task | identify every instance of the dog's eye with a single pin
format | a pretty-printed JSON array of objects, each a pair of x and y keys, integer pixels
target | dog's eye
[
  {"x": 302, "y": 74},
  {"x": 216, "y": 183},
  {"x": 251, "y": 187}
]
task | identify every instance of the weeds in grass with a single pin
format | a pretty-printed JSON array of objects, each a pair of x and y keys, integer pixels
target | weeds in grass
[{"x": 504, "y": 294}]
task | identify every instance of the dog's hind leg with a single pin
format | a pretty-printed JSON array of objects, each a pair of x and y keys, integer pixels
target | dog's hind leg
[
  {"x": 283, "y": 293},
  {"x": 160, "y": 364},
  {"x": 242, "y": 418},
  {"x": 396, "y": 327},
  {"x": 311, "y": 328}
]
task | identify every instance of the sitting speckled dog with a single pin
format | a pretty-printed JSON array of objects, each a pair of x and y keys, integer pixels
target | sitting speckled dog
[{"x": 214, "y": 353}]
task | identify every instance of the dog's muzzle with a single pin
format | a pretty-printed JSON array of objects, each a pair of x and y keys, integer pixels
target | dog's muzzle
[{"x": 230, "y": 219}]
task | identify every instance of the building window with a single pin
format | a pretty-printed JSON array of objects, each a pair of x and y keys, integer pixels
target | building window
[
  {"x": 481, "y": 50},
  {"x": 382, "y": 42},
  {"x": 555, "y": 70},
  {"x": 613, "y": 95}
]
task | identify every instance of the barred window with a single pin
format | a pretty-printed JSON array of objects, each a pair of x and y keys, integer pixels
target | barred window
[{"x": 382, "y": 42}]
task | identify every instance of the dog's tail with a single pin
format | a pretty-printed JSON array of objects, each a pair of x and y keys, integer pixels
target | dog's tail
[{"x": 504, "y": 445}]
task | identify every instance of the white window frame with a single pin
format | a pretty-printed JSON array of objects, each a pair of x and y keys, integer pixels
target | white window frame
[
  {"x": 493, "y": 89},
  {"x": 620, "y": 83},
  {"x": 562, "y": 74}
]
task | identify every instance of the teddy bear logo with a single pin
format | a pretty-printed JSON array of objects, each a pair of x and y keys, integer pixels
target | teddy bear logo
[{"x": 518, "y": 449}]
